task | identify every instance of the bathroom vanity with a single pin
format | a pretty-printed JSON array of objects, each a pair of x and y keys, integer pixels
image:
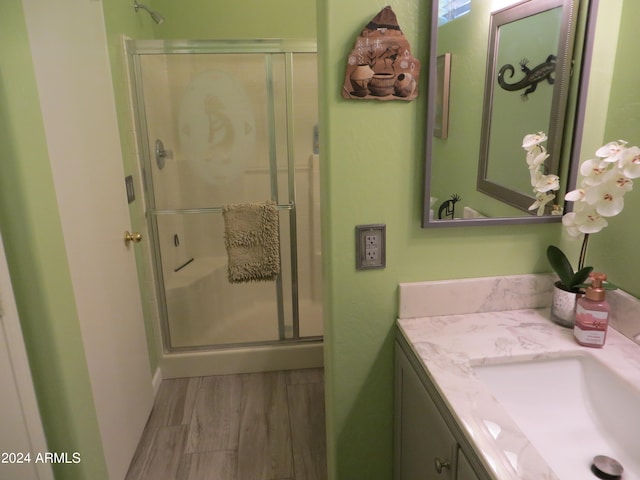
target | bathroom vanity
[
  {"x": 428, "y": 439},
  {"x": 487, "y": 387}
]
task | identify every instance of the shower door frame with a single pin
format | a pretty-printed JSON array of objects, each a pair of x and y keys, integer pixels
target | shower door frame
[{"x": 287, "y": 47}]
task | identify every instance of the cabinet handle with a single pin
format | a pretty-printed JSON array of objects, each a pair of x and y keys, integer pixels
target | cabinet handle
[{"x": 441, "y": 465}]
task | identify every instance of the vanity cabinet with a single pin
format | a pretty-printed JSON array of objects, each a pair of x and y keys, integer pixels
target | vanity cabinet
[
  {"x": 425, "y": 448},
  {"x": 465, "y": 470}
]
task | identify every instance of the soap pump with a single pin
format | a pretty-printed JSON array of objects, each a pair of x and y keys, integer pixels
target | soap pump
[{"x": 592, "y": 314}]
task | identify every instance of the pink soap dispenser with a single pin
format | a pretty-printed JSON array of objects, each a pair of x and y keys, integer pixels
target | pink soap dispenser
[{"x": 592, "y": 314}]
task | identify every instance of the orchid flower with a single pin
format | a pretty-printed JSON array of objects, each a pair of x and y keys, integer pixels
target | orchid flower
[
  {"x": 606, "y": 179},
  {"x": 533, "y": 139},
  {"x": 600, "y": 195},
  {"x": 606, "y": 199},
  {"x": 590, "y": 222},
  {"x": 543, "y": 184},
  {"x": 612, "y": 151},
  {"x": 536, "y": 156},
  {"x": 576, "y": 195},
  {"x": 541, "y": 202},
  {"x": 547, "y": 182},
  {"x": 583, "y": 221},
  {"x": 592, "y": 171},
  {"x": 606, "y": 195},
  {"x": 630, "y": 162}
]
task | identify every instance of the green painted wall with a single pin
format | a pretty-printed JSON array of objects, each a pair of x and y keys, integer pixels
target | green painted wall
[
  {"x": 372, "y": 167},
  {"x": 614, "y": 250},
  {"x": 371, "y": 172},
  {"x": 30, "y": 224},
  {"x": 454, "y": 168},
  {"x": 198, "y": 19},
  {"x": 512, "y": 117},
  {"x": 455, "y": 159},
  {"x": 372, "y": 154}
]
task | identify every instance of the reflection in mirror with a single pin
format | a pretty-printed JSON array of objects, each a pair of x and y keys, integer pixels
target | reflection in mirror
[
  {"x": 536, "y": 37},
  {"x": 453, "y": 167}
]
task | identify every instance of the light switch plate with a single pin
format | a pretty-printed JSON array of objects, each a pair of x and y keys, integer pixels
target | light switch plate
[{"x": 371, "y": 251}]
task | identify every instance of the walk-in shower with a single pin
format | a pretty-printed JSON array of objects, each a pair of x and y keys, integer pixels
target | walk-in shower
[{"x": 224, "y": 123}]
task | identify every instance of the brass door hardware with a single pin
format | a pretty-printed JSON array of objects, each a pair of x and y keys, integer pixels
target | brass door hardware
[{"x": 135, "y": 237}]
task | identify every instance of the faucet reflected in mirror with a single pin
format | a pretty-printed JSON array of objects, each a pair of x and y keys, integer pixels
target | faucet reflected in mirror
[{"x": 481, "y": 158}]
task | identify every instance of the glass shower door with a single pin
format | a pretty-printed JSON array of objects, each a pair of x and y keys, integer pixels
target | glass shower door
[{"x": 224, "y": 128}]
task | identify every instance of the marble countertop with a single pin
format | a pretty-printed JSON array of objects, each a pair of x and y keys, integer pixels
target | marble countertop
[{"x": 449, "y": 346}]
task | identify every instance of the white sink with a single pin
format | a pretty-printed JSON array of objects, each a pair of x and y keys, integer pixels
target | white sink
[{"x": 571, "y": 409}]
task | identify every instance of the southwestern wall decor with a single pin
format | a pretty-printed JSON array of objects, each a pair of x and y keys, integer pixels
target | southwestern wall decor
[{"x": 381, "y": 66}]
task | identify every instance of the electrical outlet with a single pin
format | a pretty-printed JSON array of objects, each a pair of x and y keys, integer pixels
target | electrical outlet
[
  {"x": 372, "y": 249},
  {"x": 370, "y": 246}
]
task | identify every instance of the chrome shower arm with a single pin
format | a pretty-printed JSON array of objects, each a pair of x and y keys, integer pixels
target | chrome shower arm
[{"x": 154, "y": 14}]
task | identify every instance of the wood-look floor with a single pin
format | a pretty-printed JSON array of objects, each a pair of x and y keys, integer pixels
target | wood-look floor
[{"x": 256, "y": 426}]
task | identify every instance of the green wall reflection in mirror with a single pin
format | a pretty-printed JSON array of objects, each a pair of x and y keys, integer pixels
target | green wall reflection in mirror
[{"x": 490, "y": 122}]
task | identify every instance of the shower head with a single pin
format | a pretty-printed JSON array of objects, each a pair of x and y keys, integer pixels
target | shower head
[{"x": 154, "y": 15}]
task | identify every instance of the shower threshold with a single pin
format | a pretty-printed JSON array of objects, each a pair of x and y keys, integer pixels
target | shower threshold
[{"x": 283, "y": 355}]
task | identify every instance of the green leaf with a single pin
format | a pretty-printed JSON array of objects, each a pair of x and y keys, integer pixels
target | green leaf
[
  {"x": 580, "y": 277},
  {"x": 609, "y": 286},
  {"x": 561, "y": 265}
]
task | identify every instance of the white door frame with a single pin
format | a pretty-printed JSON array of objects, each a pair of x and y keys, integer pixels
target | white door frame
[{"x": 21, "y": 429}]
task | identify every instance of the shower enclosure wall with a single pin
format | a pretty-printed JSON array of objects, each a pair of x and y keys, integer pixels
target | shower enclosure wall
[{"x": 222, "y": 123}]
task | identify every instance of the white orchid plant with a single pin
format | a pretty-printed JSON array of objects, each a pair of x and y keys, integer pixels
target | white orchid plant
[
  {"x": 601, "y": 193},
  {"x": 605, "y": 180},
  {"x": 544, "y": 184}
]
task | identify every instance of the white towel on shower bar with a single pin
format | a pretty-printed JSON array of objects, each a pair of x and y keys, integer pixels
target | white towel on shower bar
[{"x": 252, "y": 239}]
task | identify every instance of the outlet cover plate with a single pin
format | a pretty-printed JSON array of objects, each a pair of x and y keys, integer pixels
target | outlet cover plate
[{"x": 371, "y": 251}]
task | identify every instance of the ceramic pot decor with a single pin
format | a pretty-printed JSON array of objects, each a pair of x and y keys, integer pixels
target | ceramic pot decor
[
  {"x": 360, "y": 78},
  {"x": 383, "y": 49},
  {"x": 382, "y": 84},
  {"x": 563, "y": 306},
  {"x": 405, "y": 85}
]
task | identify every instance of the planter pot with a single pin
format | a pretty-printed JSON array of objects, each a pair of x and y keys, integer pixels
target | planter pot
[{"x": 563, "y": 306}]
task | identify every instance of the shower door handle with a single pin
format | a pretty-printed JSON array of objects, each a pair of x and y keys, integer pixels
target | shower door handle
[{"x": 135, "y": 237}]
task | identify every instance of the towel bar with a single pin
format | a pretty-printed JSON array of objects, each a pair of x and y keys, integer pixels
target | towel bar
[{"x": 285, "y": 206}]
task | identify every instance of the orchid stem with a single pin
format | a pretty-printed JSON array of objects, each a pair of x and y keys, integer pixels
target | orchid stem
[{"x": 583, "y": 252}]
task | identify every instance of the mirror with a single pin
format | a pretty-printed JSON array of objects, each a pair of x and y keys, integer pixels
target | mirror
[
  {"x": 493, "y": 78},
  {"x": 536, "y": 96}
]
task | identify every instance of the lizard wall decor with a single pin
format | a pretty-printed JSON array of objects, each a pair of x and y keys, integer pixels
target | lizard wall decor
[{"x": 532, "y": 76}]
